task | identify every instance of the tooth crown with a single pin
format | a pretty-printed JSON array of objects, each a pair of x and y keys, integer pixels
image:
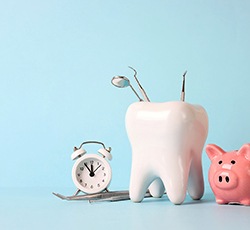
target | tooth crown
[{"x": 167, "y": 141}]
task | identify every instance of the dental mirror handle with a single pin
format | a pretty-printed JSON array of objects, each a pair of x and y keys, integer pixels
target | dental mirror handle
[{"x": 135, "y": 93}]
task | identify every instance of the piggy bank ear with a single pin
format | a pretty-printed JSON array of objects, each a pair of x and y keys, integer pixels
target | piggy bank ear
[
  {"x": 214, "y": 151},
  {"x": 245, "y": 150}
]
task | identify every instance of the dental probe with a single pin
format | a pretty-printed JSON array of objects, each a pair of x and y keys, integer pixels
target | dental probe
[
  {"x": 102, "y": 196},
  {"x": 118, "y": 197},
  {"x": 183, "y": 87},
  {"x": 140, "y": 87}
]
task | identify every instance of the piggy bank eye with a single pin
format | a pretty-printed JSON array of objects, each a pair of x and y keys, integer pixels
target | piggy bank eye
[
  {"x": 220, "y": 162},
  {"x": 233, "y": 162}
]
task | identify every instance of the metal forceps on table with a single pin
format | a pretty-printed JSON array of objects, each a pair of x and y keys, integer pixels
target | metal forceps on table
[{"x": 102, "y": 196}]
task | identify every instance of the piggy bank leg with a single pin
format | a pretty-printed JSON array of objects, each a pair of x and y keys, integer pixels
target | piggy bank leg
[
  {"x": 245, "y": 202},
  {"x": 221, "y": 201},
  {"x": 195, "y": 181},
  {"x": 157, "y": 188}
]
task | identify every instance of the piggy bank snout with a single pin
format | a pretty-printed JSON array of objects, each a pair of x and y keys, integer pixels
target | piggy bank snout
[{"x": 225, "y": 179}]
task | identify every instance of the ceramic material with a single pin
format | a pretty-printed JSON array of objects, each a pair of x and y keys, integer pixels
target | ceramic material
[
  {"x": 229, "y": 174},
  {"x": 167, "y": 141}
]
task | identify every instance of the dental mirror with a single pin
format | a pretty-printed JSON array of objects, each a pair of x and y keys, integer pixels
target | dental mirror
[{"x": 122, "y": 82}]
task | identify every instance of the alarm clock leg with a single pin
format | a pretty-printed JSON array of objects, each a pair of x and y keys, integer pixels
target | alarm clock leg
[{"x": 77, "y": 192}]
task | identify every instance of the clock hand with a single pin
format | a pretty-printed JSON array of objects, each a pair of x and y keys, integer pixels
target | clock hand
[
  {"x": 87, "y": 167},
  {"x": 98, "y": 167},
  {"x": 91, "y": 174}
]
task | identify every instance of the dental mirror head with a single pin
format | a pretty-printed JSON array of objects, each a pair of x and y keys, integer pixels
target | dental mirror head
[{"x": 120, "y": 81}]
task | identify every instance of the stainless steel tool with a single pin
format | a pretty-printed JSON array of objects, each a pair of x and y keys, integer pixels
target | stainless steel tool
[
  {"x": 145, "y": 96},
  {"x": 102, "y": 196},
  {"x": 183, "y": 87},
  {"x": 122, "y": 82}
]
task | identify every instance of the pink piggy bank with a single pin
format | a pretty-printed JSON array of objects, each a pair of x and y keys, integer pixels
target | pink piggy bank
[{"x": 229, "y": 174}]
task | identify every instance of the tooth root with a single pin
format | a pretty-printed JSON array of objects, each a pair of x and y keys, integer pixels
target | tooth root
[
  {"x": 157, "y": 188},
  {"x": 195, "y": 180},
  {"x": 176, "y": 190},
  {"x": 175, "y": 180},
  {"x": 140, "y": 180}
]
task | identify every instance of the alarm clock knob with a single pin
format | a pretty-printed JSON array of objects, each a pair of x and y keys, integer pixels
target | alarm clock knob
[
  {"x": 77, "y": 153},
  {"x": 106, "y": 153}
]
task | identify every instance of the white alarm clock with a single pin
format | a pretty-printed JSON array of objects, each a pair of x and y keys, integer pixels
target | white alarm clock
[{"x": 91, "y": 173}]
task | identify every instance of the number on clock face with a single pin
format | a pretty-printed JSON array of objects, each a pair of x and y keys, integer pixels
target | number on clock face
[{"x": 91, "y": 174}]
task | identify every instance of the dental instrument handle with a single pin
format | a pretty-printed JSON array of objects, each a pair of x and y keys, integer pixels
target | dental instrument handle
[
  {"x": 119, "y": 196},
  {"x": 143, "y": 92},
  {"x": 135, "y": 93}
]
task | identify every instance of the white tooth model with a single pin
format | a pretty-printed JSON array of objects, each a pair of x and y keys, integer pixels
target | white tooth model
[{"x": 167, "y": 140}]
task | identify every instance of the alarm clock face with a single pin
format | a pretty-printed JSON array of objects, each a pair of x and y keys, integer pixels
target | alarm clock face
[{"x": 91, "y": 173}]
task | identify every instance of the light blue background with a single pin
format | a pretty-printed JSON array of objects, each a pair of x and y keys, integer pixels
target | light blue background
[{"x": 57, "y": 59}]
